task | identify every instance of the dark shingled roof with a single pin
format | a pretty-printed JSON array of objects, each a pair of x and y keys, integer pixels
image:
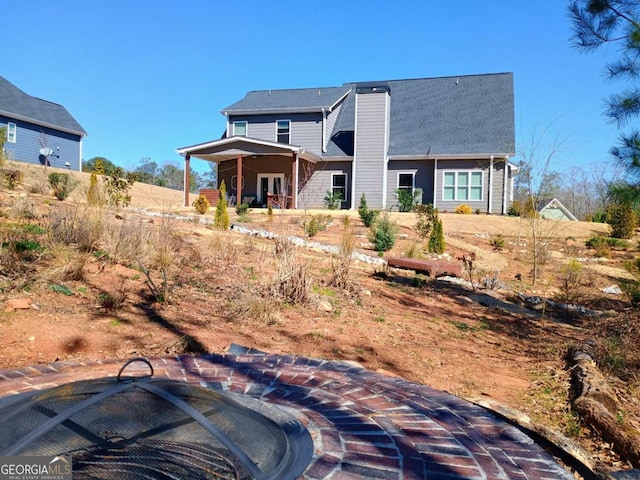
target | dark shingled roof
[
  {"x": 299, "y": 99},
  {"x": 14, "y": 101},
  {"x": 471, "y": 114}
]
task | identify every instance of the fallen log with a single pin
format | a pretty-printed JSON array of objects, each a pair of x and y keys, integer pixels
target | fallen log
[
  {"x": 431, "y": 268},
  {"x": 597, "y": 404}
]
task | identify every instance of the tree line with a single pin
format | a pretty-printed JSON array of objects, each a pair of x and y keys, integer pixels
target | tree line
[{"x": 148, "y": 171}]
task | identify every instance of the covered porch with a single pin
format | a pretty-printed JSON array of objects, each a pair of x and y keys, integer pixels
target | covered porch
[{"x": 265, "y": 172}]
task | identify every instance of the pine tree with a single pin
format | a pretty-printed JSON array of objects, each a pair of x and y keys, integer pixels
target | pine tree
[
  {"x": 93, "y": 194},
  {"x": 436, "y": 239}
]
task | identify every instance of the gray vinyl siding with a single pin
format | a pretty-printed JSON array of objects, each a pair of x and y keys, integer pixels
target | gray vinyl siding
[
  {"x": 330, "y": 123},
  {"x": 29, "y": 140},
  {"x": 423, "y": 179},
  {"x": 314, "y": 190},
  {"x": 496, "y": 178},
  {"x": 305, "y": 128},
  {"x": 370, "y": 155}
]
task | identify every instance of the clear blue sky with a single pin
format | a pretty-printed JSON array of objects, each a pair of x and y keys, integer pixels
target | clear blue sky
[{"x": 144, "y": 77}]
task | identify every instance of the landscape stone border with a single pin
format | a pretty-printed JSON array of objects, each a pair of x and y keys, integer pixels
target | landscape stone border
[{"x": 365, "y": 425}]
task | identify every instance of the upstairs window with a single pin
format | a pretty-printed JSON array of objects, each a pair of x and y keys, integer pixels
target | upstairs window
[
  {"x": 283, "y": 131},
  {"x": 11, "y": 132},
  {"x": 462, "y": 186},
  {"x": 240, "y": 129},
  {"x": 406, "y": 181}
]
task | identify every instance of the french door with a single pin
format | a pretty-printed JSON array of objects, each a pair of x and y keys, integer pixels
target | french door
[{"x": 269, "y": 183}]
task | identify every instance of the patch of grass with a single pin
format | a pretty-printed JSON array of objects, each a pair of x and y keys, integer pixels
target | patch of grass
[
  {"x": 58, "y": 288},
  {"x": 379, "y": 319},
  {"x": 324, "y": 291},
  {"x": 33, "y": 229},
  {"x": 114, "y": 322}
]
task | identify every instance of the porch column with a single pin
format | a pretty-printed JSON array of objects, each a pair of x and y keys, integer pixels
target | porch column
[
  {"x": 187, "y": 180},
  {"x": 294, "y": 181},
  {"x": 239, "y": 187}
]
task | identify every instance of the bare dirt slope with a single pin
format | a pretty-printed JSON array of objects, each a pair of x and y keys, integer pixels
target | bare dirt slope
[{"x": 224, "y": 288}]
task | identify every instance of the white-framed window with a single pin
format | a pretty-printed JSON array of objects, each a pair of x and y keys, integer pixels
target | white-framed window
[
  {"x": 283, "y": 131},
  {"x": 11, "y": 132},
  {"x": 406, "y": 181},
  {"x": 339, "y": 185},
  {"x": 462, "y": 186},
  {"x": 240, "y": 128}
]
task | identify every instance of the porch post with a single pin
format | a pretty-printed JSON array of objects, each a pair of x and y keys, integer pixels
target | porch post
[
  {"x": 187, "y": 180},
  {"x": 294, "y": 181},
  {"x": 239, "y": 187}
]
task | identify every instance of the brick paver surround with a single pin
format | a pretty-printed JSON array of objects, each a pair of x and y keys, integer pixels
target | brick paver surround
[{"x": 365, "y": 425}]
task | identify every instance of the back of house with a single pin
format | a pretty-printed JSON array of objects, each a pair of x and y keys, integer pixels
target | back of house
[{"x": 447, "y": 141}]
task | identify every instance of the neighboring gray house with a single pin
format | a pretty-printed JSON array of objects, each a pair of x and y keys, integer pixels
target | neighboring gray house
[
  {"x": 39, "y": 131},
  {"x": 451, "y": 137}
]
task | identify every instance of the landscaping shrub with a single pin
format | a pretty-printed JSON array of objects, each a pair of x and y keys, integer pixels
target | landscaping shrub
[
  {"x": 332, "y": 200},
  {"x": 524, "y": 208},
  {"x": 201, "y": 205},
  {"x": 622, "y": 219},
  {"x": 408, "y": 199},
  {"x": 427, "y": 216},
  {"x": 341, "y": 265},
  {"x": 383, "y": 233},
  {"x": 316, "y": 224},
  {"x": 117, "y": 186},
  {"x": 62, "y": 184},
  {"x": 497, "y": 242},
  {"x": 367, "y": 216},
  {"x": 242, "y": 208},
  {"x": 436, "y": 240},
  {"x": 463, "y": 209},
  {"x": 11, "y": 177},
  {"x": 221, "y": 219},
  {"x": 94, "y": 195}
]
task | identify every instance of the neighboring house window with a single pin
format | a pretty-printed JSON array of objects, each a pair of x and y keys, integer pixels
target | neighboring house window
[
  {"x": 283, "y": 134},
  {"x": 11, "y": 132},
  {"x": 406, "y": 181},
  {"x": 240, "y": 129},
  {"x": 339, "y": 185},
  {"x": 462, "y": 186}
]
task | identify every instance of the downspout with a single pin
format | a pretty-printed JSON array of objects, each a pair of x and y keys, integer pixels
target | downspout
[
  {"x": 435, "y": 182},
  {"x": 490, "y": 184},
  {"x": 355, "y": 156},
  {"x": 385, "y": 163},
  {"x": 504, "y": 186},
  {"x": 80, "y": 155},
  {"x": 324, "y": 131}
]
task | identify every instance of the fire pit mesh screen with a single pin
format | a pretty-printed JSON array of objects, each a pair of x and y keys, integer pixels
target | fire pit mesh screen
[{"x": 151, "y": 428}]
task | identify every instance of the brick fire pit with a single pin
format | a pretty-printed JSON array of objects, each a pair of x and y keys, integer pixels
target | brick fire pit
[{"x": 364, "y": 425}]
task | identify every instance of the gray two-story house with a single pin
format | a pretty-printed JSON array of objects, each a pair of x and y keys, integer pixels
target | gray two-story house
[
  {"x": 450, "y": 137},
  {"x": 39, "y": 131}
]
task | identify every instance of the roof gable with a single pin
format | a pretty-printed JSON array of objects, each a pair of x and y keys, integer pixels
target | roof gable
[
  {"x": 288, "y": 101},
  {"x": 16, "y": 103}
]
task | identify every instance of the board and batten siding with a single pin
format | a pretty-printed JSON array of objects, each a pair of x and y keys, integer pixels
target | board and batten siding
[
  {"x": 305, "y": 128},
  {"x": 315, "y": 189},
  {"x": 370, "y": 156},
  {"x": 30, "y": 138},
  {"x": 423, "y": 179}
]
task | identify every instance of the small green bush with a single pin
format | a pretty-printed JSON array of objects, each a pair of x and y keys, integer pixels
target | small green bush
[
  {"x": 408, "y": 199},
  {"x": 597, "y": 240},
  {"x": 367, "y": 216},
  {"x": 427, "y": 216},
  {"x": 316, "y": 224},
  {"x": 62, "y": 184},
  {"x": 497, "y": 242},
  {"x": 332, "y": 200},
  {"x": 463, "y": 209},
  {"x": 201, "y": 205},
  {"x": 242, "y": 208},
  {"x": 383, "y": 234}
]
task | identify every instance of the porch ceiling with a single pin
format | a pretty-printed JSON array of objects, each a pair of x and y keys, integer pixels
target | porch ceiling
[{"x": 230, "y": 148}]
